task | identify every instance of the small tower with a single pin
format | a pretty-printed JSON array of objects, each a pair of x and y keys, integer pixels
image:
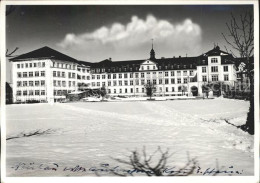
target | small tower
[{"x": 152, "y": 52}]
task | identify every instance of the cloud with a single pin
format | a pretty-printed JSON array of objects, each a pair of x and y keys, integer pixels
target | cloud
[{"x": 137, "y": 33}]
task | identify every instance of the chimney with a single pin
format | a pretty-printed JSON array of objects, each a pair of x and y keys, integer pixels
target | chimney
[
  {"x": 179, "y": 56},
  {"x": 110, "y": 59}
]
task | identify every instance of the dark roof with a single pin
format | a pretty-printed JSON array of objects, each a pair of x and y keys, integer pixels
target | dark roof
[
  {"x": 44, "y": 53},
  {"x": 215, "y": 52}
]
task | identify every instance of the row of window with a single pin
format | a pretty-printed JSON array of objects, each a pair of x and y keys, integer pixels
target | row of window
[
  {"x": 31, "y": 65},
  {"x": 63, "y": 66},
  {"x": 30, "y": 83},
  {"x": 215, "y": 69},
  {"x": 125, "y": 75},
  {"x": 215, "y": 78},
  {"x": 98, "y": 70},
  {"x": 30, "y": 92},
  {"x": 137, "y": 82},
  {"x": 31, "y": 74},
  {"x": 142, "y": 90},
  {"x": 64, "y": 83}
]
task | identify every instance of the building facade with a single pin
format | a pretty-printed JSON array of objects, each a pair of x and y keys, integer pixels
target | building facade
[{"x": 47, "y": 75}]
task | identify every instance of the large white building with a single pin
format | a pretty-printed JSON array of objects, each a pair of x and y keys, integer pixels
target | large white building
[{"x": 47, "y": 75}]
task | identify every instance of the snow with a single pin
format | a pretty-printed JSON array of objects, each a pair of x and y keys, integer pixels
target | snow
[{"x": 89, "y": 134}]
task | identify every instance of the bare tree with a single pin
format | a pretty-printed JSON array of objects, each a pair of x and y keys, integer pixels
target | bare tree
[
  {"x": 241, "y": 38},
  {"x": 142, "y": 163}
]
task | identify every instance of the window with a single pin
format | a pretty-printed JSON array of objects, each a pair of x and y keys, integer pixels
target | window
[
  {"x": 131, "y": 75},
  {"x": 214, "y": 60},
  {"x": 137, "y": 90},
  {"x": 125, "y": 90},
  {"x": 120, "y": 83},
  {"x": 24, "y": 92},
  {"x": 70, "y": 84},
  {"x": 166, "y": 89},
  {"x": 98, "y": 83},
  {"x": 37, "y": 92},
  {"x": 179, "y": 80},
  {"x": 136, "y": 75},
  {"x": 19, "y": 74},
  {"x": 114, "y": 83},
  {"x": 148, "y": 68},
  {"x": 42, "y": 92},
  {"x": 120, "y": 90},
  {"x": 148, "y": 81},
  {"x": 63, "y": 74},
  {"x": 204, "y": 78},
  {"x": 204, "y": 69},
  {"x": 137, "y": 82},
  {"x": 43, "y": 64},
  {"x": 178, "y": 73},
  {"x": 93, "y": 83},
  {"x": 93, "y": 76},
  {"x": 142, "y": 75},
  {"x": 131, "y": 90},
  {"x": 225, "y": 68},
  {"x": 18, "y": 93},
  {"x": 114, "y": 76},
  {"x": 142, "y": 90},
  {"x": 153, "y": 67},
  {"x": 54, "y": 83},
  {"x": 103, "y": 83},
  {"x": 42, "y": 73},
  {"x": 126, "y": 83},
  {"x": 34, "y": 65},
  {"x": 18, "y": 66},
  {"x": 172, "y": 89},
  {"x": 172, "y": 81},
  {"x": 172, "y": 73},
  {"x": 166, "y": 73},
  {"x": 191, "y": 73},
  {"x": 30, "y": 92},
  {"x": 142, "y": 68},
  {"x": 21, "y": 65},
  {"x": 26, "y": 65},
  {"x": 125, "y": 75},
  {"x": 36, "y": 73},
  {"x": 24, "y": 83},
  {"x": 120, "y": 76},
  {"x": 184, "y": 73},
  {"x": 30, "y": 83},
  {"x": 73, "y": 75},
  {"x": 59, "y": 83},
  {"x": 114, "y": 90},
  {"x": 42, "y": 82},
  {"x": 142, "y": 82},
  {"x": 214, "y": 77},
  {"x": 131, "y": 82},
  {"x": 98, "y": 76},
  {"x": 19, "y": 83},
  {"x": 214, "y": 69},
  {"x": 226, "y": 77},
  {"x": 160, "y": 81},
  {"x": 166, "y": 81},
  {"x": 109, "y": 83},
  {"x": 109, "y": 90},
  {"x": 103, "y": 76},
  {"x": 36, "y": 83},
  {"x": 185, "y": 80},
  {"x": 154, "y": 81},
  {"x": 24, "y": 74},
  {"x": 64, "y": 83},
  {"x": 109, "y": 76},
  {"x": 73, "y": 83},
  {"x": 30, "y": 64}
]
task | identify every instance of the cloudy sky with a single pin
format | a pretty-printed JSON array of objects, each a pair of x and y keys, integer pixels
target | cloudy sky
[{"x": 94, "y": 33}]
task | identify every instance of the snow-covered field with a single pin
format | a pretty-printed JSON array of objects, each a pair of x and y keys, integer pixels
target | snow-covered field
[{"x": 90, "y": 134}]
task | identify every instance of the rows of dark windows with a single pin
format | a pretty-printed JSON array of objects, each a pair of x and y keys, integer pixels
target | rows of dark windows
[
  {"x": 63, "y": 66},
  {"x": 31, "y": 65},
  {"x": 30, "y": 92},
  {"x": 142, "y": 82},
  {"x": 30, "y": 83},
  {"x": 215, "y": 69},
  {"x": 59, "y": 83},
  {"x": 31, "y": 74},
  {"x": 142, "y": 90},
  {"x": 215, "y": 78},
  {"x": 142, "y": 74}
]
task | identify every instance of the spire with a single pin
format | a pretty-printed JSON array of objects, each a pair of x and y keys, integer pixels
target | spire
[{"x": 152, "y": 52}]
